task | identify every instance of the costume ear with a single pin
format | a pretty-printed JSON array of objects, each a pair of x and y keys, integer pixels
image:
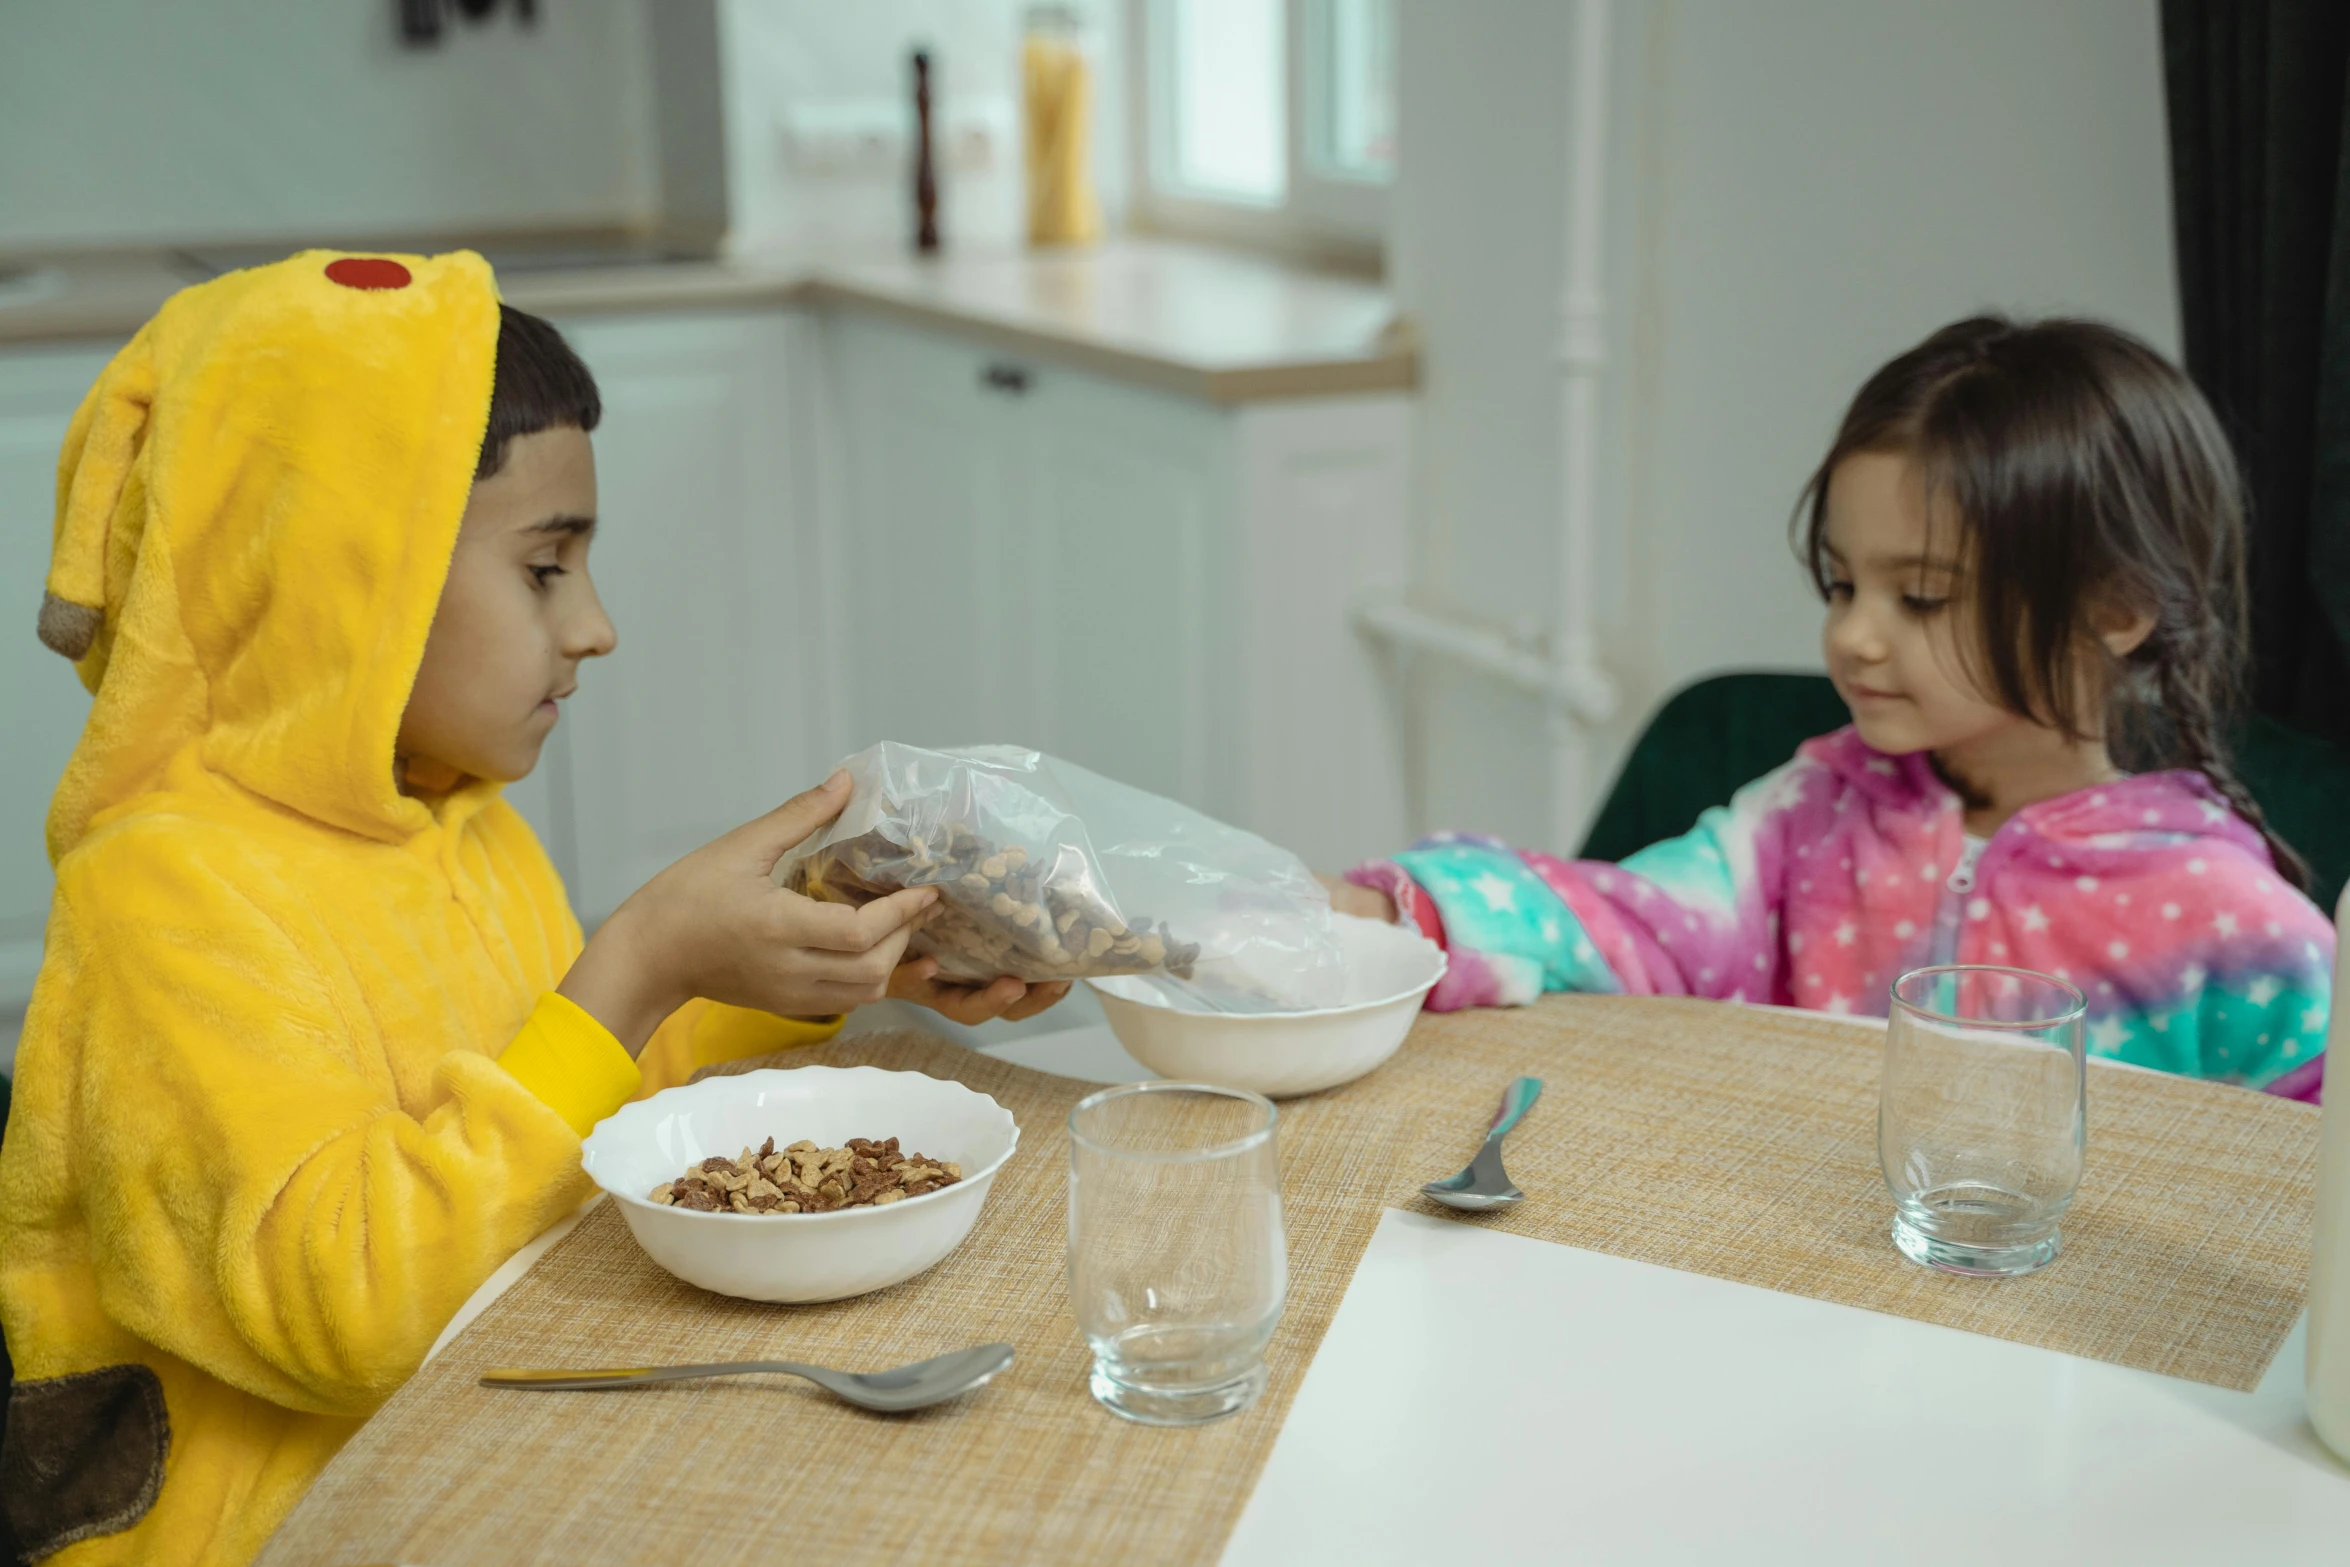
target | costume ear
[{"x": 94, "y": 469}]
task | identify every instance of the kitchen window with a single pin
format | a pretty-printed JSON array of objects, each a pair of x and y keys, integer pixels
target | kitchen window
[{"x": 1268, "y": 122}]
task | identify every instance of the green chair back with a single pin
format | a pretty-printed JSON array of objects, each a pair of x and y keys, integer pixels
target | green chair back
[
  {"x": 1707, "y": 741},
  {"x": 1726, "y": 730},
  {"x": 2303, "y": 782}
]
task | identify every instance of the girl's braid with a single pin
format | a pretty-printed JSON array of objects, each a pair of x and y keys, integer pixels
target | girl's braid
[{"x": 2186, "y": 700}]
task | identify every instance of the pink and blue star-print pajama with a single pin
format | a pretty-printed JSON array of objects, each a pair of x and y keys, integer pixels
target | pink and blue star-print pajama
[{"x": 1821, "y": 883}]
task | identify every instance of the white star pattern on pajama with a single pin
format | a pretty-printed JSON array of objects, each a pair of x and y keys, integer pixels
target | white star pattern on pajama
[{"x": 1498, "y": 894}]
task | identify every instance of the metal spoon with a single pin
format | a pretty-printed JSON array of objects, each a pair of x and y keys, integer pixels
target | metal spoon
[
  {"x": 1484, "y": 1184},
  {"x": 917, "y": 1386}
]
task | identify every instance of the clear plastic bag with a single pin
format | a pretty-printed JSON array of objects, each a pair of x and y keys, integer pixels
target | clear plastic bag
[{"x": 1047, "y": 871}]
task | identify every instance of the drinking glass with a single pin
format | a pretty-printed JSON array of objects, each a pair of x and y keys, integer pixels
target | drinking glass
[
  {"x": 1177, "y": 1263},
  {"x": 1983, "y": 1121}
]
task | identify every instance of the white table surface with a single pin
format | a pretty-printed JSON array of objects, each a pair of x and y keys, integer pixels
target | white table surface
[{"x": 1485, "y": 1396}]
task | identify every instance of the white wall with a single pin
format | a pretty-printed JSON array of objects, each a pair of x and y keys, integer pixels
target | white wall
[
  {"x": 793, "y": 64},
  {"x": 127, "y": 121},
  {"x": 1800, "y": 190}
]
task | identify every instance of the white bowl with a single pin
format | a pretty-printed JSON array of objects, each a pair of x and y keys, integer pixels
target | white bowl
[
  {"x": 800, "y": 1256},
  {"x": 1283, "y": 1054}
]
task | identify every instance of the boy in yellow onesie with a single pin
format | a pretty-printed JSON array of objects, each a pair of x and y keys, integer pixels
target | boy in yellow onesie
[{"x": 315, "y": 1039}]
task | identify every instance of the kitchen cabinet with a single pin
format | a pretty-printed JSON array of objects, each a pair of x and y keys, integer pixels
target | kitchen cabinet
[
  {"x": 920, "y": 529},
  {"x": 710, "y": 711},
  {"x": 1036, "y": 545},
  {"x": 42, "y": 701},
  {"x": 1153, "y": 586},
  {"x": 819, "y": 530},
  {"x": 1132, "y": 573}
]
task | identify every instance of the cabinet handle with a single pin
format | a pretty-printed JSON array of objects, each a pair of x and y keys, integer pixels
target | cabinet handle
[{"x": 1004, "y": 378}]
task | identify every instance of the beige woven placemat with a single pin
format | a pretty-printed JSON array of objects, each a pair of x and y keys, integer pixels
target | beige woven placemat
[
  {"x": 1742, "y": 1143},
  {"x": 760, "y": 1470},
  {"x": 1733, "y": 1142}
]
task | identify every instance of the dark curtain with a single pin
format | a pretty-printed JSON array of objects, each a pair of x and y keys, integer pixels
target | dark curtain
[{"x": 2260, "y": 179}]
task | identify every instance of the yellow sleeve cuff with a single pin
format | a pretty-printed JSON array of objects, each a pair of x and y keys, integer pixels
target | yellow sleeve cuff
[
  {"x": 725, "y": 1033},
  {"x": 571, "y": 1063},
  {"x": 710, "y": 1033}
]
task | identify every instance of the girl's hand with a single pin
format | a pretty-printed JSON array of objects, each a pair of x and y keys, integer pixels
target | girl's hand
[
  {"x": 917, "y": 981},
  {"x": 1367, "y": 903},
  {"x": 715, "y": 925}
]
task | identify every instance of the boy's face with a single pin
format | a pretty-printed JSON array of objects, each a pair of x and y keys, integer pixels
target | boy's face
[
  {"x": 1897, "y": 616},
  {"x": 516, "y": 617}
]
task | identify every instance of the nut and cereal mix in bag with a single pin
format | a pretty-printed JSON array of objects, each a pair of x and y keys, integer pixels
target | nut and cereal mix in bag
[{"x": 1046, "y": 871}]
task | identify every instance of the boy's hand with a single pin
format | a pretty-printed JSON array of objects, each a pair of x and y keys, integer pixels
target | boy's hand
[
  {"x": 917, "y": 981},
  {"x": 715, "y": 924}
]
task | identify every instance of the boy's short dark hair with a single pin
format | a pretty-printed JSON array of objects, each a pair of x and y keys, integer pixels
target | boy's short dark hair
[{"x": 540, "y": 385}]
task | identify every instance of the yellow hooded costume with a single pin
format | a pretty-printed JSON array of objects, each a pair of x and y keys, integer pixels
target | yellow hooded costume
[{"x": 294, "y": 1081}]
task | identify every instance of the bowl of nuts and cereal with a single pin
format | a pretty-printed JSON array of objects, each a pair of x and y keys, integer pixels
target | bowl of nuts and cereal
[{"x": 804, "y": 1183}]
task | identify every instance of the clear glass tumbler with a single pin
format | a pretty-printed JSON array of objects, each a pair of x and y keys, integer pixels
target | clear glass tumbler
[
  {"x": 1983, "y": 1121},
  {"x": 1178, "y": 1266}
]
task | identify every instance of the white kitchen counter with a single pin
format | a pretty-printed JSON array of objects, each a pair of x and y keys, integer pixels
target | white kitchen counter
[{"x": 1224, "y": 326}]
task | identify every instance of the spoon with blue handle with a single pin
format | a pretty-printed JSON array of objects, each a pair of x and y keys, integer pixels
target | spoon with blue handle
[{"x": 1484, "y": 1184}]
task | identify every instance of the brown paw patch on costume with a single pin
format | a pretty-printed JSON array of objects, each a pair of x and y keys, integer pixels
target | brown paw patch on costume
[
  {"x": 83, "y": 1456},
  {"x": 67, "y": 627}
]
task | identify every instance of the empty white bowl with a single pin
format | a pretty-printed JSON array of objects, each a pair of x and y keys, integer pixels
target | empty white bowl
[
  {"x": 800, "y": 1257},
  {"x": 1389, "y": 972}
]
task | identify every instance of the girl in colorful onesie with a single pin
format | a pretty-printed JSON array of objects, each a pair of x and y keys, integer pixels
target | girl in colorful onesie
[
  {"x": 2030, "y": 541},
  {"x": 316, "y": 1036}
]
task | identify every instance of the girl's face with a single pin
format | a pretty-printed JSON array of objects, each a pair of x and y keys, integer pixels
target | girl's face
[
  {"x": 517, "y": 615},
  {"x": 1898, "y": 625}
]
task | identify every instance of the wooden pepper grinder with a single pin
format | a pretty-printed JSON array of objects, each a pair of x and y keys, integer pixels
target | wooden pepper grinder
[{"x": 925, "y": 168}]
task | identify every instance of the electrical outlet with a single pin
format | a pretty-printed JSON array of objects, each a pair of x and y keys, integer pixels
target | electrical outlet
[
  {"x": 978, "y": 134},
  {"x": 874, "y": 136},
  {"x": 845, "y": 137}
]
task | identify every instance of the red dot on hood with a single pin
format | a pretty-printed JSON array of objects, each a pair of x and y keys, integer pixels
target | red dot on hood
[{"x": 367, "y": 272}]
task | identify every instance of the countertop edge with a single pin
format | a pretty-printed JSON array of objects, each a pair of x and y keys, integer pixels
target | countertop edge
[
  {"x": 1380, "y": 367},
  {"x": 1386, "y": 370}
]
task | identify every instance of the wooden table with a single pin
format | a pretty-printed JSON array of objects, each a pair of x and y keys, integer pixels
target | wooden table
[{"x": 1483, "y": 1393}]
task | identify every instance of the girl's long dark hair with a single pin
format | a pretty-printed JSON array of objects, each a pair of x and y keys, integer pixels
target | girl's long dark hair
[{"x": 2088, "y": 476}]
